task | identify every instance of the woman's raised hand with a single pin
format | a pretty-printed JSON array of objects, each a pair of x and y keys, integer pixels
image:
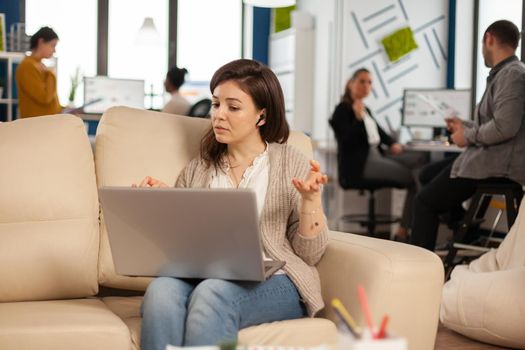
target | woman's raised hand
[
  {"x": 310, "y": 187},
  {"x": 359, "y": 109},
  {"x": 148, "y": 181},
  {"x": 396, "y": 148}
]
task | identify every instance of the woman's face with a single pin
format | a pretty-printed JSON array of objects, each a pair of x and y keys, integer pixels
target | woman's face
[
  {"x": 47, "y": 48},
  {"x": 361, "y": 85},
  {"x": 234, "y": 114}
]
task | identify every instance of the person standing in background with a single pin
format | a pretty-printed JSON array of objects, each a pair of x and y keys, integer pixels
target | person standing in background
[
  {"x": 174, "y": 80},
  {"x": 37, "y": 85}
]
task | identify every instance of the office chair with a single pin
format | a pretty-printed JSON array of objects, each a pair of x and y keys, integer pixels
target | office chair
[
  {"x": 480, "y": 202},
  {"x": 370, "y": 219},
  {"x": 200, "y": 109},
  {"x": 351, "y": 176}
]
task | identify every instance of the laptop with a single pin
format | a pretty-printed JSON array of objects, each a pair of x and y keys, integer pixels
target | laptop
[{"x": 185, "y": 233}]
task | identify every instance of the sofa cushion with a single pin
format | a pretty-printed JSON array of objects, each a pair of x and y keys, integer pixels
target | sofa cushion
[
  {"x": 128, "y": 309},
  {"x": 301, "y": 332},
  {"x": 484, "y": 300},
  {"x": 486, "y": 306},
  {"x": 400, "y": 280},
  {"x": 80, "y": 324},
  {"x": 48, "y": 210},
  {"x": 133, "y": 143}
]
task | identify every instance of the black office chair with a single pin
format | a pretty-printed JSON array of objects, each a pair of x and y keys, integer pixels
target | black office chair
[
  {"x": 201, "y": 109},
  {"x": 352, "y": 178},
  {"x": 463, "y": 235},
  {"x": 371, "y": 219}
]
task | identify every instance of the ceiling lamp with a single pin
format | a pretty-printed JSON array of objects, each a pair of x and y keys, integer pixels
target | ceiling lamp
[{"x": 148, "y": 33}]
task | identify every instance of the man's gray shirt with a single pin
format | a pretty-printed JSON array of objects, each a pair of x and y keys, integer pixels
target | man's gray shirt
[{"x": 496, "y": 138}]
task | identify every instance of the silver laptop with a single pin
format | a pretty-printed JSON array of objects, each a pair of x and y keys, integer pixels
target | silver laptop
[{"x": 185, "y": 233}]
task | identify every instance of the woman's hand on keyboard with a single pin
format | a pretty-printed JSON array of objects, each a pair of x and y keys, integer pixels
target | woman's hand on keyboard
[{"x": 148, "y": 181}]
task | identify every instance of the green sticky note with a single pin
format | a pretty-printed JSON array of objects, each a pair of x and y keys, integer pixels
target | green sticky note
[
  {"x": 399, "y": 43},
  {"x": 282, "y": 18}
]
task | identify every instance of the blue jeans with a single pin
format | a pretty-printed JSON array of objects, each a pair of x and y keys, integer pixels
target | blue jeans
[{"x": 207, "y": 312}]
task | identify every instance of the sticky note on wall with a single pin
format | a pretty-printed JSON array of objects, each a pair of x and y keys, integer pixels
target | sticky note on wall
[{"x": 399, "y": 43}]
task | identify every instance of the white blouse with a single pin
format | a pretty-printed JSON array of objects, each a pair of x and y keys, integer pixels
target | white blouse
[
  {"x": 255, "y": 177},
  {"x": 371, "y": 130}
]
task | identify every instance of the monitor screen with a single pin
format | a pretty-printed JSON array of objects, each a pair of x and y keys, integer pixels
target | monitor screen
[
  {"x": 102, "y": 92},
  {"x": 430, "y": 107}
]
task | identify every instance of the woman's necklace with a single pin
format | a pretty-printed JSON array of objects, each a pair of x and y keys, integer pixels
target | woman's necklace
[
  {"x": 230, "y": 162},
  {"x": 236, "y": 181}
]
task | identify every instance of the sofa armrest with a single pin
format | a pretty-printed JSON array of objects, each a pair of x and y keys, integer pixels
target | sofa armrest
[{"x": 401, "y": 280}]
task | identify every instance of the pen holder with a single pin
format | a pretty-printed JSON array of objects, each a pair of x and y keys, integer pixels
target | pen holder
[{"x": 348, "y": 342}]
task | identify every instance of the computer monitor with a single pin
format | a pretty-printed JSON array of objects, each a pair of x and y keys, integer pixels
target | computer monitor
[
  {"x": 430, "y": 107},
  {"x": 102, "y": 92}
]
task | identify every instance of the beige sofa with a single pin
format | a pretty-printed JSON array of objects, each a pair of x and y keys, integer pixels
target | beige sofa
[{"x": 54, "y": 256}]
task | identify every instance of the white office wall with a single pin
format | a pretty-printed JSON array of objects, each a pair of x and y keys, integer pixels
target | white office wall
[
  {"x": 340, "y": 49},
  {"x": 464, "y": 36},
  {"x": 366, "y": 23},
  {"x": 248, "y": 32},
  {"x": 325, "y": 58}
]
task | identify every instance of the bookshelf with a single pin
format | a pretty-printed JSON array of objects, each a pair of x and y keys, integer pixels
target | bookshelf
[{"x": 11, "y": 58}]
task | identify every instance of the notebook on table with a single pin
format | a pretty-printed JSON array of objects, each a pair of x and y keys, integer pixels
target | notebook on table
[{"x": 185, "y": 233}]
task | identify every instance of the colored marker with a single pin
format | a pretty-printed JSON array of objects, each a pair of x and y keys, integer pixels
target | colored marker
[
  {"x": 366, "y": 310},
  {"x": 345, "y": 317},
  {"x": 382, "y": 329}
]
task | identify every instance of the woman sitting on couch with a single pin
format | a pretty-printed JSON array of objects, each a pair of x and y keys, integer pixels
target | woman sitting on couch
[{"x": 245, "y": 148}]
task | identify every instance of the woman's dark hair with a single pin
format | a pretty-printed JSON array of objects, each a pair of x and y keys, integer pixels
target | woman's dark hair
[
  {"x": 347, "y": 97},
  {"x": 45, "y": 33},
  {"x": 176, "y": 76},
  {"x": 258, "y": 81},
  {"x": 506, "y": 32}
]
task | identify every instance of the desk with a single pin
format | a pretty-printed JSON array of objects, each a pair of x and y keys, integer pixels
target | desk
[
  {"x": 432, "y": 147},
  {"x": 327, "y": 147}
]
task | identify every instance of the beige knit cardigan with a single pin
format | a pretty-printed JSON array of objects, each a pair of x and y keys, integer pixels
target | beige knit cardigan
[{"x": 279, "y": 221}]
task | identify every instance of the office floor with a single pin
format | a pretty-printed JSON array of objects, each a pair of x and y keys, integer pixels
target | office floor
[{"x": 450, "y": 340}]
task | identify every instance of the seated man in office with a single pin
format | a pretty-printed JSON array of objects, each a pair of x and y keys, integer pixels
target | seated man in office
[{"x": 494, "y": 142}]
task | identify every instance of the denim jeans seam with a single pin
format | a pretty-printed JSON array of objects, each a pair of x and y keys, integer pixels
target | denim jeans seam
[{"x": 279, "y": 290}]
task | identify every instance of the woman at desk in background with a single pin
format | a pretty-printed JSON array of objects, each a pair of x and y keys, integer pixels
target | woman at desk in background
[
  {"x": 174, "y": 80},
  {"x": 360, "y": 156},
  {"x": 245, "y": 148},
  {"x": 37, "y": 85}
]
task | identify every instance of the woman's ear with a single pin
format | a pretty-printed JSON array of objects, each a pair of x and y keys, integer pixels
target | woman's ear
[
  {"x": 262, "y": 118},
  {"x": 261, "y": 121}
]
